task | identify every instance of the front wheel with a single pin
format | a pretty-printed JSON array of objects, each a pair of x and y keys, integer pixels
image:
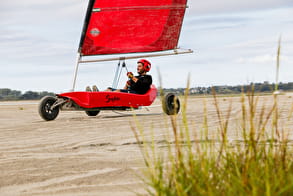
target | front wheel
[
  {"x": 45, "y": 108},
  {"x": 92, "y": 113},
  {"x": 171, "y": 104}
]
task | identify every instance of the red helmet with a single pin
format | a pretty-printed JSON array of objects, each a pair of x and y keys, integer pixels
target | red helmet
[{"x": 146, "y": 64}]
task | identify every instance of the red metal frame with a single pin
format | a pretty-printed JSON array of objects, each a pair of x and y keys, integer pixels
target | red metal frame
[{"x": 105, "y": 99}]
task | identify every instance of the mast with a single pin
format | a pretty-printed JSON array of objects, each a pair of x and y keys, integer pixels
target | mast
[
  {"x": 86, "y": 23},
  {"x": 83, "y": 33}
]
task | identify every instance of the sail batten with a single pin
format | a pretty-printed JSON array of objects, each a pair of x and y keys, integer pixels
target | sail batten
[
  {"x": 131, "y": 26},
  {"x": 138, "y": 8}
]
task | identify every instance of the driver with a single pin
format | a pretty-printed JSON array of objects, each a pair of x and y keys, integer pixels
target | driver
[{"x": 138, "y": 84}]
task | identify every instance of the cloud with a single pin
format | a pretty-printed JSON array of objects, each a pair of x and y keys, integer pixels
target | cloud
[
  {"x": 268, "y": 59},
  {"x": 40, "y": 32},
  {"x": 264, "y": 59},
  {"x": 35, "y": 12},
  {"x": 228, "y": 6}
]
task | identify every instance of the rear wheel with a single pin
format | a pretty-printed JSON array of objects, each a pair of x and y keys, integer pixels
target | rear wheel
[
  {"x": 45, "y": 108},
  {"x": 92, "y": 113},
  {"x": 171, "y": 104}
]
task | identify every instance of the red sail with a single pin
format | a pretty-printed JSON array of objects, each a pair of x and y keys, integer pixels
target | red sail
[{"x": 127, "y": 26}]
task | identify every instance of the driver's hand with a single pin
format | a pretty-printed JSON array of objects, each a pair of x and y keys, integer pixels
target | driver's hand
[{"x": 130, "y": 75}]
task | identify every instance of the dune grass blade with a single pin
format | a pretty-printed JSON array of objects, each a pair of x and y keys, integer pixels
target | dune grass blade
[{"x": 278, "y": 65}]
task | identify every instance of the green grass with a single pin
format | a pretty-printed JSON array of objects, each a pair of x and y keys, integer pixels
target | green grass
[{"x": 259, "y": 163}]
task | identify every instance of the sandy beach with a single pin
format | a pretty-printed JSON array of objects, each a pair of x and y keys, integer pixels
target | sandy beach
[{"x": 80, "y": 155}]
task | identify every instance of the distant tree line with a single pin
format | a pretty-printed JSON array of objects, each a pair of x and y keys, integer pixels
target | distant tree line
[
  {"x": 8, "y": 94},
  {"x": 264, "y": 87}
]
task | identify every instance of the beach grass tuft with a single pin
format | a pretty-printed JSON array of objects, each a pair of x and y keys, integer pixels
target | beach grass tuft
[{"x": 259, "y": 162}]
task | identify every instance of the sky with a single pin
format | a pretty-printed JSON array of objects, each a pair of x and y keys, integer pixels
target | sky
[{"x": 234, "y": 42}]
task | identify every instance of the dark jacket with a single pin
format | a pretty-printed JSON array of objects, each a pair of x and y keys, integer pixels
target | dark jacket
[{"x": 142, "y": 85}]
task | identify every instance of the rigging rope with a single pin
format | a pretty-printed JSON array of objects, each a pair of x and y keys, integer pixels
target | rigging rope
[{"x": 121, "y": 65}]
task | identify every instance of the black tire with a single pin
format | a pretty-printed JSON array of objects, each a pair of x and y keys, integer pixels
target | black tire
[
  {"x": 92, "y": 113},
  {"x": 45, "y": 110},
  {"x": 171, "y": 104}
]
